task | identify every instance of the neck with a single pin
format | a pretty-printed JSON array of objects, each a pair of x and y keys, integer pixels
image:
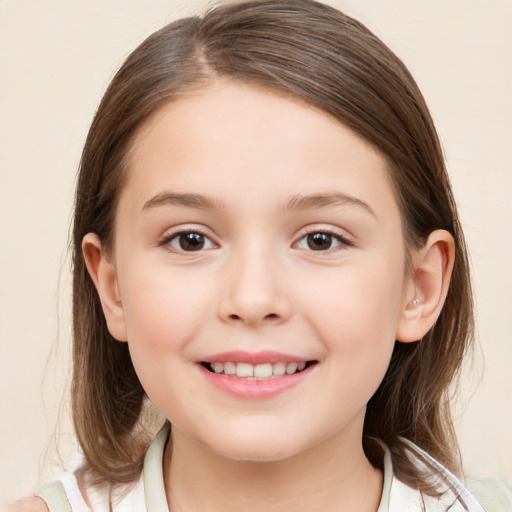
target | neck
[{"x": 331, "y": 476}]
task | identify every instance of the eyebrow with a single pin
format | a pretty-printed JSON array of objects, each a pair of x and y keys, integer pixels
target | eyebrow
[
  {"x": 189, "y": 200},
  {"x": 296, "y": 202},
  {"x": 315, "y": 201}
]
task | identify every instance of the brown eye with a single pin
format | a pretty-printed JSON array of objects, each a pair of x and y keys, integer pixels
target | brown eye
[
  {"x": 321, "y": 241},
  {"x": 190, "y": 242}
]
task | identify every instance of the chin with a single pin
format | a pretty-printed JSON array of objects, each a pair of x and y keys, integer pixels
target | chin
[
  {"x": 261, "y": 448},
  {"x": 245, "y": 454}
]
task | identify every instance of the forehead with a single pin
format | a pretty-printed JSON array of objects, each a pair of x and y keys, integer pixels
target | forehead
[{"x": 238, "y": 140}]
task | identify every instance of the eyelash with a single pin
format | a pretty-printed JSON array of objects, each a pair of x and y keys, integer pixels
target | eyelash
[
  {"x": 340, "y": 241},
  {"x": 166, "y": 241}
]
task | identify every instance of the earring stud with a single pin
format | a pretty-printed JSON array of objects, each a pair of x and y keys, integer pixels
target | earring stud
[{"x": 415, "y": 302}]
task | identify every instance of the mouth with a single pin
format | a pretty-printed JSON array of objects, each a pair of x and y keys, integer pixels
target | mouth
[
  {"x": 261, "y": 371},
  {"x": 256, "y": 375}
]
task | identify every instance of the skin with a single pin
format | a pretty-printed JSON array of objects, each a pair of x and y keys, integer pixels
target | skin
[{"x": 257, "y": 285}]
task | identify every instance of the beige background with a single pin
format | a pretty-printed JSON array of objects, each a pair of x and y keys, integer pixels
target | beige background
[{"x": 56, "y": 58}]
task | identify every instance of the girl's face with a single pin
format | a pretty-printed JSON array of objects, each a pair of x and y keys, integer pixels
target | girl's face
[{"x": 256, "y": 236}]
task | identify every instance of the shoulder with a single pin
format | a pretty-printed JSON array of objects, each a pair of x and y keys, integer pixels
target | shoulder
[
  {"x": 32, "y": 504},
  {"x": 495, "y": 494}
]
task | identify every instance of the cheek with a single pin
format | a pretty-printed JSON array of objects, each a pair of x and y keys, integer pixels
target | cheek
[
  {"x": 163, "y": 314},
  {"x": 163, "y": 306},
  {"x": 355, "y": 303},
  {"x": 356, "y": 319}
]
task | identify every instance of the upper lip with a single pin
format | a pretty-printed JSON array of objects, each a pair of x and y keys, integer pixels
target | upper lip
[{"x": 266, "y": 356}]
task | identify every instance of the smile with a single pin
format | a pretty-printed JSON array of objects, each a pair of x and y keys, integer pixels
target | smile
[
  {"x": 257, "y": 371},
  {"x": 255, "y": 376}
]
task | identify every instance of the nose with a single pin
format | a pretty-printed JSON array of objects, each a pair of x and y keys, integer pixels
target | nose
[{"x": 255, "y": 291}]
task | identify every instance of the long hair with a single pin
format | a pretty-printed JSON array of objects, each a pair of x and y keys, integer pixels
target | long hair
[{"x": 315, "y": 53}]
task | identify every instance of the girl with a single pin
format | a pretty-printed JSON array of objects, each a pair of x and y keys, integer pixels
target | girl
[{"x": 267, "y": 249}]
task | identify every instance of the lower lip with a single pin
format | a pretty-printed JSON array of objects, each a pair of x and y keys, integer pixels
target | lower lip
[{"x": 254, "y": 389}]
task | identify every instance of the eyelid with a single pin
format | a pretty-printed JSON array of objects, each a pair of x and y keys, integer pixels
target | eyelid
[
  {"x": 172, "y": 233},
  {"x": 345, "y": 241}
]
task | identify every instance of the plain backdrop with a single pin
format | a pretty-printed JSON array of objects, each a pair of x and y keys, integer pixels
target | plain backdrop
[{"x": 56, "y": 59}]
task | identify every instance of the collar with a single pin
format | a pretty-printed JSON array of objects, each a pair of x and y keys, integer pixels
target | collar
[{"x": 396, "y": 496}]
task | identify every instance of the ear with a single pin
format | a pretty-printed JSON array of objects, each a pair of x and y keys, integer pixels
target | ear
[
  {"x": 428, "y": 285},
  {"x": 104, "y": 277}
]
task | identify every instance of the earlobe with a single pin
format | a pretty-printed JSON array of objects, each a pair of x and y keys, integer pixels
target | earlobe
[
  {"x": 427, "y": 287},
  {"x": 104, "y": 277}
]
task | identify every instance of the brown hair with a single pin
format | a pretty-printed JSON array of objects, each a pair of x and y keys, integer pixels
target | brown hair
[{"x": 314, "y": 53}]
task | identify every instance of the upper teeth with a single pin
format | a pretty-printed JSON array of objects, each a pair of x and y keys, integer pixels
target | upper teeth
[{"x": 258, "y": 371}]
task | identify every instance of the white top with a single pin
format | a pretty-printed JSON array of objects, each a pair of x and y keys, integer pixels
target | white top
[{"x": 147, "y": 494}]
